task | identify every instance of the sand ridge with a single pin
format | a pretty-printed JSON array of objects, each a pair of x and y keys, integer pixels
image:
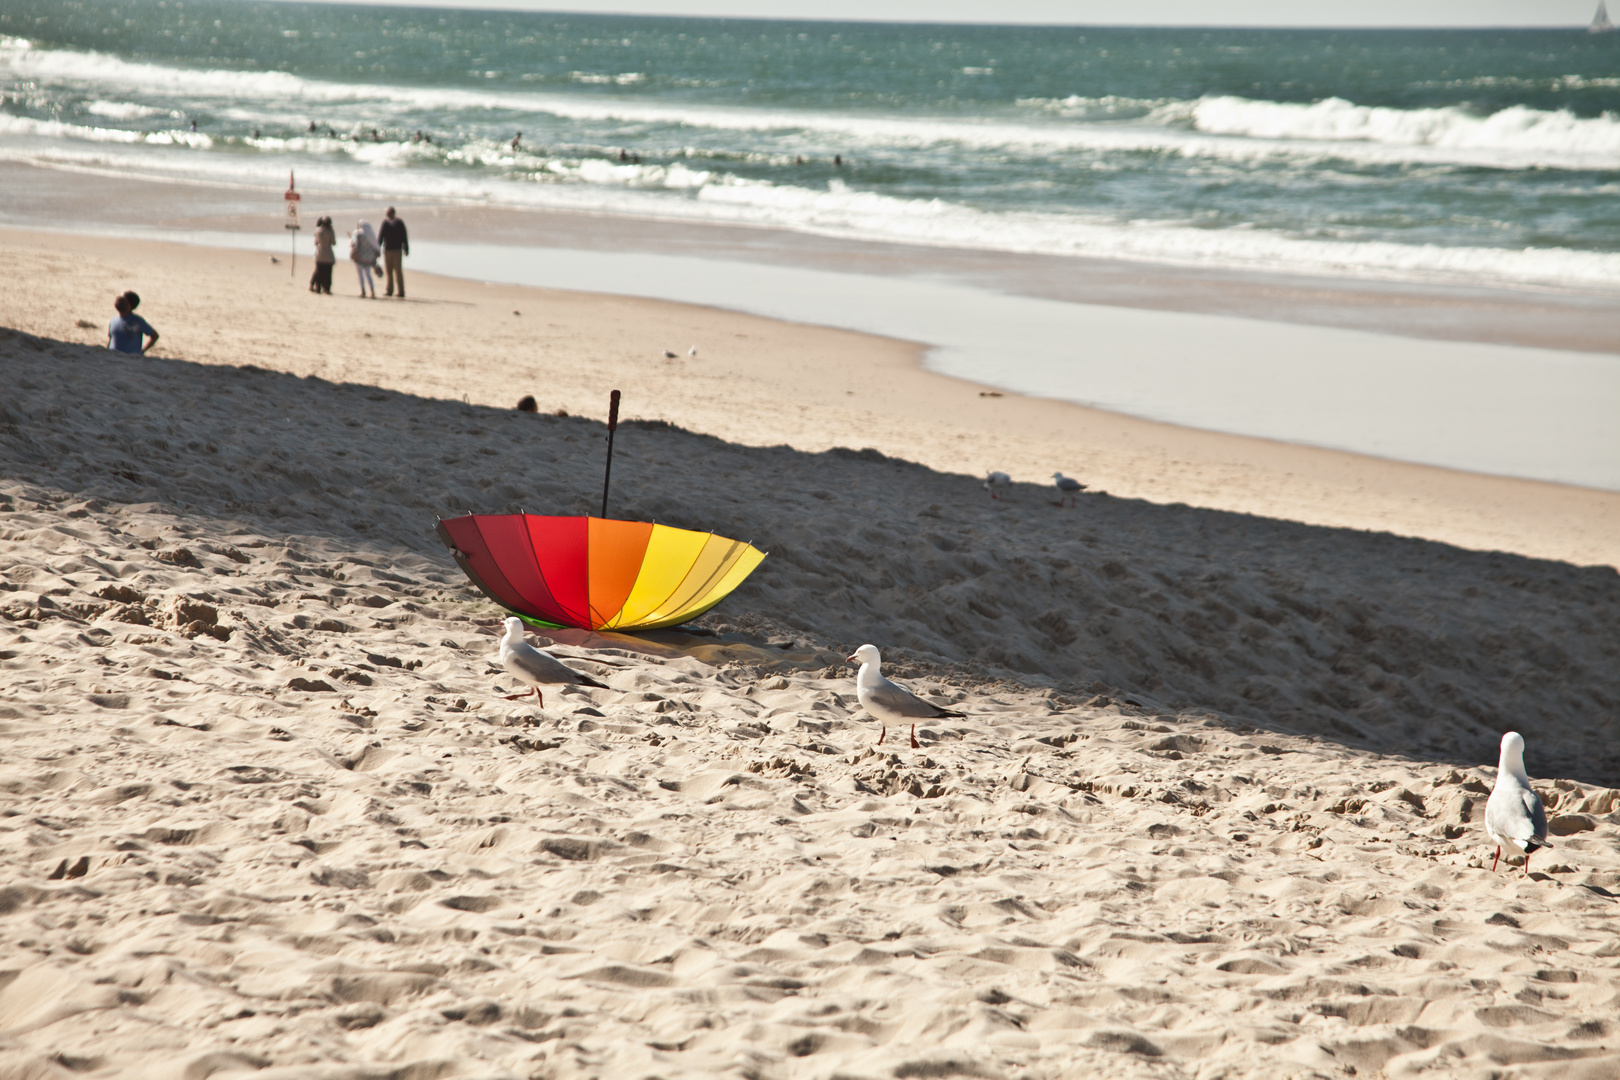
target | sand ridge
[{"x": 264, "y": 812}]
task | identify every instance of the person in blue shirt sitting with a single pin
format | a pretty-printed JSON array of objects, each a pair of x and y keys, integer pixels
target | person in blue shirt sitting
[{"x": 124, "y": 333}]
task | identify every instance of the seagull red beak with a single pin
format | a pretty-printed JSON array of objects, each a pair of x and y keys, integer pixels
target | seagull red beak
[{"x": 851, "y": 658}]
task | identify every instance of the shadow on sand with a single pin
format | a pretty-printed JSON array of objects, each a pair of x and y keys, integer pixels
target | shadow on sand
[{"x": 1400, "y": 645}]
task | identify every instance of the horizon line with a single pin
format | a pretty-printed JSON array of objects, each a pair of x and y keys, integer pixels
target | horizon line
[{"x": 517, "y": 7}]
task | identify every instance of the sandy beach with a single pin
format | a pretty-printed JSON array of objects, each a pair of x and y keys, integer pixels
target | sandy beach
[
  {"x": 759, "y": 382},
  {"x": 1215, "y": 808}
]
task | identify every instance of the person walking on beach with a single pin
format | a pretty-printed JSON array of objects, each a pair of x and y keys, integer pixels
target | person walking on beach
[
  {"x": 125, "y": 332},
  {"x": 325, "y": 256},
  {"x": 396, "y": 245},
  {"x": 363, "y": 250}
]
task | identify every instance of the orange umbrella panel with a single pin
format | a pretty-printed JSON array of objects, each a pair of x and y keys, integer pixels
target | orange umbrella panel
[{"x": 596, "y": 573}]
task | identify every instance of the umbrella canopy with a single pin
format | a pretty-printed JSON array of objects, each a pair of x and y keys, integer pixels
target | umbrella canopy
[{"x": 596, "y": 573}]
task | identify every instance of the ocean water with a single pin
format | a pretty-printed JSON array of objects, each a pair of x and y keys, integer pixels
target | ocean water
[{"x": 1488, "y": 156}]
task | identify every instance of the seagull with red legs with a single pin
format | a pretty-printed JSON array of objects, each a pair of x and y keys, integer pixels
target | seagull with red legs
[
  {"x": 1514, "y": 816},
  {"x": 889, "y": 702},
  {"x": 535, "y": 666},
  {"x": 1068, "y": 487}
]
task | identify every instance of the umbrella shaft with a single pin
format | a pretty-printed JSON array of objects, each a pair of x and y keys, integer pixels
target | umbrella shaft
[
  {"x": 613, "y": 425},
  {"x": 607, "y": 474}
]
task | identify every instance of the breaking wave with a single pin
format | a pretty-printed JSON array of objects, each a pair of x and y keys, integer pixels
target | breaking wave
[
  {"x": 1517, "y": 131},
  {"x": 1517, "y": 137}
]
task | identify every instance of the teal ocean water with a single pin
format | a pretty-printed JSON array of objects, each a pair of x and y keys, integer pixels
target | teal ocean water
[{"x": 1489, "y": 156}]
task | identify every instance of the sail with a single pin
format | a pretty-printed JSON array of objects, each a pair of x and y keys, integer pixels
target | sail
[{"x": 1600, "y": 21}]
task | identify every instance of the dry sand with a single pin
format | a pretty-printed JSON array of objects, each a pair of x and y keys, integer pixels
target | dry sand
[
  {"x": 757, "y": 382},
  {"x": 1214, "y": 810}
]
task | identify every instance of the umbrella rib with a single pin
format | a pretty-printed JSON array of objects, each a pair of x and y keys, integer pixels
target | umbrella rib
[
  {"x": 680, "y": 614},
  {"x": 494, "y": 565},
  {"x": 534, "y": 556},
  {"x": 696, "y": 605},
  {"x": 618, "y": 620},
  {"x": 540, "y": 569},
  {"x": 650, "y": 616}
]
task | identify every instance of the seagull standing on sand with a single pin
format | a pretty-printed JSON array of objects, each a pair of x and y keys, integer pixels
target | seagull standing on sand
[
  {"x": 890, "y": 702},
  {"x": 535, "y": 666},
  {"x": 1514, "y": 816},
  {"x": 1068, "y": 487},
  {"x": 692, "y": 351},
  {"x": 996, "y": 482}
]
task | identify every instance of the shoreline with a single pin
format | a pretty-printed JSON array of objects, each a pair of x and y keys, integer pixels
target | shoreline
[
  {"x": 760, "y": 381},
  {"x": 52, "y": 199}
]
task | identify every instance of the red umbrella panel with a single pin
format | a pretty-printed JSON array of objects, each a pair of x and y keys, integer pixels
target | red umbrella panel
[{"x": 596, "y": 573}]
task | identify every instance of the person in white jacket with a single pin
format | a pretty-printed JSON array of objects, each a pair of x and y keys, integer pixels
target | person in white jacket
[{"x": 363, "y": 250}]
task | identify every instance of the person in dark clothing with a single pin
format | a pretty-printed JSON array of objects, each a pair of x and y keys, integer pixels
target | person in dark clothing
[
  {"x": 325, "y": 256},
  {"x": 396, "y": 245}
]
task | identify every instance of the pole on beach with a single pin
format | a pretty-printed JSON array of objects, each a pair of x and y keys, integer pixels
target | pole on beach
[
  {"x": 613, "y": 424},
  {"x": 292, "y": 198}
]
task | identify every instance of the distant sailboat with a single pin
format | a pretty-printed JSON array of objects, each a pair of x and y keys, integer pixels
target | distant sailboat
[{"x": 1600, "y": 21}]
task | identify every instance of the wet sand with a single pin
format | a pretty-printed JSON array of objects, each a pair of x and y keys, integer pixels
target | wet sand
[{"x": 1578, "y": 320}]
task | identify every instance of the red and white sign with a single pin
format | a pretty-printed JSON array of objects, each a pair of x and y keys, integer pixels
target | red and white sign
[{"x": 292, "y": 198}]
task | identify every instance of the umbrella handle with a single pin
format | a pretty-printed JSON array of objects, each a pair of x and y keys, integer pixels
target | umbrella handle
[{"x": 613, "y": 424}]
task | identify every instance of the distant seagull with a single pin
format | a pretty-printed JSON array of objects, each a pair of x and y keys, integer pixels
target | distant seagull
[
  {"x": 668, "y": 355},
  {"x": 996, "y": 482},
  {"x": 1514, "y": 816},
  {"x": 890, "y": 702},
  {"x": 692, "y": 351},
  {"x": 274, "y": 259},
  {"x": 1068, "y": 487},
  {"x": 535, "y": 666}
]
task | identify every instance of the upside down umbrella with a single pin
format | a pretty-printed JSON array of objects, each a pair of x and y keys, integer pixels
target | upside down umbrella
[{"x": 596, "y": 573}]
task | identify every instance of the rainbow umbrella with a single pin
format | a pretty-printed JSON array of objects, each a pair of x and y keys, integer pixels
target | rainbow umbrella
[{"x": 596, "y": 573}]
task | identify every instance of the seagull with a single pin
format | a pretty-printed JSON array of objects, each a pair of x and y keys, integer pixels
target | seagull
[
  {"x": 668, "y": 355},
  {"x": 1514, "y": 816},
  {"x": 1068, "y": 487},
  {"x": 536, "y": 666},
  {"x": 890, "y": 702},
  {"x": 692, "y": 351},
  {"x": 994, "y": 482}
]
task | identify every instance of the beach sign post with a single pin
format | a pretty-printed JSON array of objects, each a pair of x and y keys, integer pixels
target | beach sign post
[{"x": 291, "y": 198}]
